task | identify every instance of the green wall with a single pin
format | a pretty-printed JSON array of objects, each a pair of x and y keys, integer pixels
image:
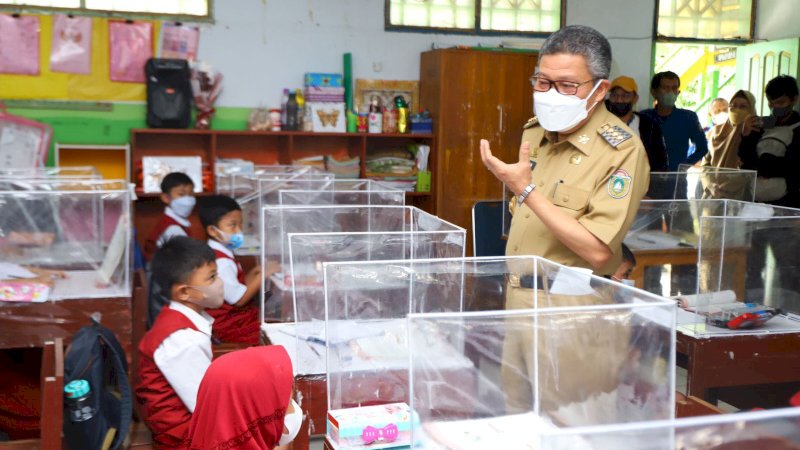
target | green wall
[{"x": 113, "y": 127}]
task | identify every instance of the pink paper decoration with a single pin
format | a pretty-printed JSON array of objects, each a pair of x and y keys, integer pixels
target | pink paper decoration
[
  {"x": 179, "y": 41},
  {"x": 131, "y": 45},
  {"x": 19, "y": 45},
  {"x": 72, "y": 45}
]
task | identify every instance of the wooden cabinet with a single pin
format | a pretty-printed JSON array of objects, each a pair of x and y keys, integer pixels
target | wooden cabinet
[
  {"x": 473, "y": 95},
  {"x": 278, "y": 147}
]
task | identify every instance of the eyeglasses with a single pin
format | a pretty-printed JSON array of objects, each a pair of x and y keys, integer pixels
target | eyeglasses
[{"x": 562, "y": 87}]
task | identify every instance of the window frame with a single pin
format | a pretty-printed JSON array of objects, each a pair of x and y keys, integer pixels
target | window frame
[
  {"x": 663, "y": 38},
  {"x": 125, "y": 15},
  {"x": 475, "y": 31}
]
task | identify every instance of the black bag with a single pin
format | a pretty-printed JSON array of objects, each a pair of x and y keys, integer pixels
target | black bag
[
  {"x": 169, "y": 93},
  {"x": 96, "y": 356}
]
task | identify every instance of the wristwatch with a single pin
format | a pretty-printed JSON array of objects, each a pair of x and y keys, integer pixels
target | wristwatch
[{"x": 524, "y": 194}]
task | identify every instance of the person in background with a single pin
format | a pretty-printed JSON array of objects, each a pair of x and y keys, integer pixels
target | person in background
[
  {"x": 237, "y": 318},
  {"x": 245, "y": 402},
  {"x": 177, "y": 192},
  {"x": 680, "y": 127},
  {"x": 622, "y": 99},
  {"x": 724, "y": 138},
  {"x": 623, "y": 273},
  {"x": 176, "y": 352},
  {"x": 717, "y": 114},
  {"x": 770, "y": 145}
]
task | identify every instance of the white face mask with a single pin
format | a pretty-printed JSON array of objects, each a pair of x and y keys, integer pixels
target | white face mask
[
  {"x": 558, "y": 112},
  {"x": 292, "y": 422},
  {"x": 213, "y": 294},
  {"x": 627, "y": 282},
  {"x": 719, "y": 118},
  {"x": 183, "y": 205}
]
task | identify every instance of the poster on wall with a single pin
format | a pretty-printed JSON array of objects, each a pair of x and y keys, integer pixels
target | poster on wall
[
  {"x": 179, "y": 41},
  {"x": 19, "y": 44},
  {"x": 72, "y": 45},
  {"x": 131, "y": 45}
]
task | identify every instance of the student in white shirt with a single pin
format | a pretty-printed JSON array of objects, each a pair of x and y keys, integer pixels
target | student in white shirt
[{"x": 176, "y": 351}]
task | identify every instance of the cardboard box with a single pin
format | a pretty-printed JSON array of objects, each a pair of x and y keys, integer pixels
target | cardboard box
[
  {"x": 327, "y": 117},
  {"x": 324, "y": 79},
  {"x": 350, "y": 428}
]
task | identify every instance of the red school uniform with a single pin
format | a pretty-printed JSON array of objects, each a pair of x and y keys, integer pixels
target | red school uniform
[{"x": 231, "y": 323}]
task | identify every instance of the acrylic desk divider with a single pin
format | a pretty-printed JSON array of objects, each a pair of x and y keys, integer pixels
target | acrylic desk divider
[
  {"x": 226, "y": 182},
  {"x": 76, "y": 172},
  {"x": 747, "y": 275},
  {"x": 303, "y": 238},
  {"x": 466, "y": 342},
  {"x": 703, "y": 183},
  {"x": 78, "y": 227},
  {"x": 343, "y": 192}
]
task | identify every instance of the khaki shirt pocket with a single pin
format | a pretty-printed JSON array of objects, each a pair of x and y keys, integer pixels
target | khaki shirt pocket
[{"x": 571, "y": 197}]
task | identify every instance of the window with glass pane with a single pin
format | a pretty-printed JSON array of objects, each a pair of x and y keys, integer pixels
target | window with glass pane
[
  {"x": 458, "y": 14},
  {"x": 705, "y": 19},
  {"x": 198, "y": 8},
  {"x": 527, "y": 16},
  {"x": 521, "y": 15}
]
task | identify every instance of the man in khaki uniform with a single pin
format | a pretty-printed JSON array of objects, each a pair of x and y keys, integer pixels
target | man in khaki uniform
[{"x": 589, "y": 173}]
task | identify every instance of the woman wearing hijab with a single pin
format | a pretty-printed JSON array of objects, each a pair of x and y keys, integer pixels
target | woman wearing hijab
[
  {"x": 724, "y": 139},
  {"x": 244, "y": 402}
]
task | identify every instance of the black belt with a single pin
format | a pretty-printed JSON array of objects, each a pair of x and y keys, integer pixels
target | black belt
[{"x": 526, "y": 281}]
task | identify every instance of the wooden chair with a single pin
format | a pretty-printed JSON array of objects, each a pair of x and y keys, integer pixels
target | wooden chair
[{"x": 52, "y": 382}]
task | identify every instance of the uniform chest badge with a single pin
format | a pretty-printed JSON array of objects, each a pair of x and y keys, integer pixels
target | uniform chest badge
[
  {"x": 575, "y": 159},
  {"x": 583, "y": 139},
  {"x": 619, "y": 184}
]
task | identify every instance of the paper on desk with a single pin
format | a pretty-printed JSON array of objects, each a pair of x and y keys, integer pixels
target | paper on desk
[
  {"x": 11, "y": 270},
  {"x": 572, "y": 281},
  {"x": 341, "y": 332}
]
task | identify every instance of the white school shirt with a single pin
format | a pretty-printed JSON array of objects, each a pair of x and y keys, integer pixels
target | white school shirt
[
  {"x": 184, "y": 356},
  {"x": 227, "y": 270},
  {"x": 172, "y": 230}
]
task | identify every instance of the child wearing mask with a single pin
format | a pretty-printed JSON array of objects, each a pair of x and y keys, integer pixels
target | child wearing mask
[
  {"x": 176, "y": 352},
  {"x": 245, "y": 402},
  {"x": 237, "y": 319},
  {"x": 177, "y": 191}
]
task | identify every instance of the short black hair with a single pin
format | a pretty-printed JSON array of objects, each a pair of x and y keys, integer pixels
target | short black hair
[
  {"x": 173, "y": 180},
  {"x": 627, "y": 255},
  {"x": 212, "y": 209},
  {"x": 175, "y": 261},
  {"x": 780, "y": 86},
  {"x": 669, "y": 75}
]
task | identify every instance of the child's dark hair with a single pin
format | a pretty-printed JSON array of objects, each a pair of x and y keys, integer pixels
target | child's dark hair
[
  {"x": 173, "y": 180},
  {"x": 175, "y": 261},
  {"x": 780, "y": 86},
  {"x": 627, "y": 255},
  {"x": 212, "y": 209}
]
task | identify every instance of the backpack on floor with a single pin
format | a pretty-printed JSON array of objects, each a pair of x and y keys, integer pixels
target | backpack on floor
[{"x": 97, "y": 357}]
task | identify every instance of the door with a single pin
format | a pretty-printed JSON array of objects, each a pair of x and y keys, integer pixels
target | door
[{"x": 756, "y": 64}]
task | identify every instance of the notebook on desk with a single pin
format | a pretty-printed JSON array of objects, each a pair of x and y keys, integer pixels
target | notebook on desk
[{"x": 84, "y": 284}]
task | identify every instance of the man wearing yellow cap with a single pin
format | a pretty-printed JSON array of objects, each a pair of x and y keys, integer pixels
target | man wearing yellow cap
[{"x": 621, "y": 101}]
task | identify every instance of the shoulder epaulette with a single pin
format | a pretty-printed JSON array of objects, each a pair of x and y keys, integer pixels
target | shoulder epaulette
[
  {"x": 530, "y": 123},
  {"x": 613, "y": 134}
]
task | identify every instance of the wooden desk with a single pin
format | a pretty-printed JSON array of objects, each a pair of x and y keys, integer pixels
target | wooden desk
[
  {"x": 687, "y": 256},
  {"x": 735, "y": 361}
]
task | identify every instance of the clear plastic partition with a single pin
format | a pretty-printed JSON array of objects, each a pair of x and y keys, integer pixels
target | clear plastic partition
[
  {"x": 64, "y": 239},
  {"x": 80, "y": 172},
  {"x": 341, "y": 192},
  {"x": 703, "y": 183},
  {"x": 578, "y": 348},
  {"x": 777, "y": 429},
  {"x": 254, "y": 191},
  {"x": 234, "y": 179},
  {"x": 299, "y": 239},
  {"x": 748, "y": 270}
]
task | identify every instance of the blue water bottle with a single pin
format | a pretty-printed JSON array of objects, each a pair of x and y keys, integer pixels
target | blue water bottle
[{"x": 78, "y": 397}]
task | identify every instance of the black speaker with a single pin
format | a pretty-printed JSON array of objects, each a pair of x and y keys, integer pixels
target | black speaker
[{"x": 169, "y": 93}]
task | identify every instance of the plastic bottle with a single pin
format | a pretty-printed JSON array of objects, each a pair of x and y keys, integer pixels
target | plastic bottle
[
  {"x": 375, "y": 118},
  {"x": 78, "y": 399},
  {"x": 291, "y": 113},
  {"x": 284, "y": 100},
  {"x": 402, "y": 114}
]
